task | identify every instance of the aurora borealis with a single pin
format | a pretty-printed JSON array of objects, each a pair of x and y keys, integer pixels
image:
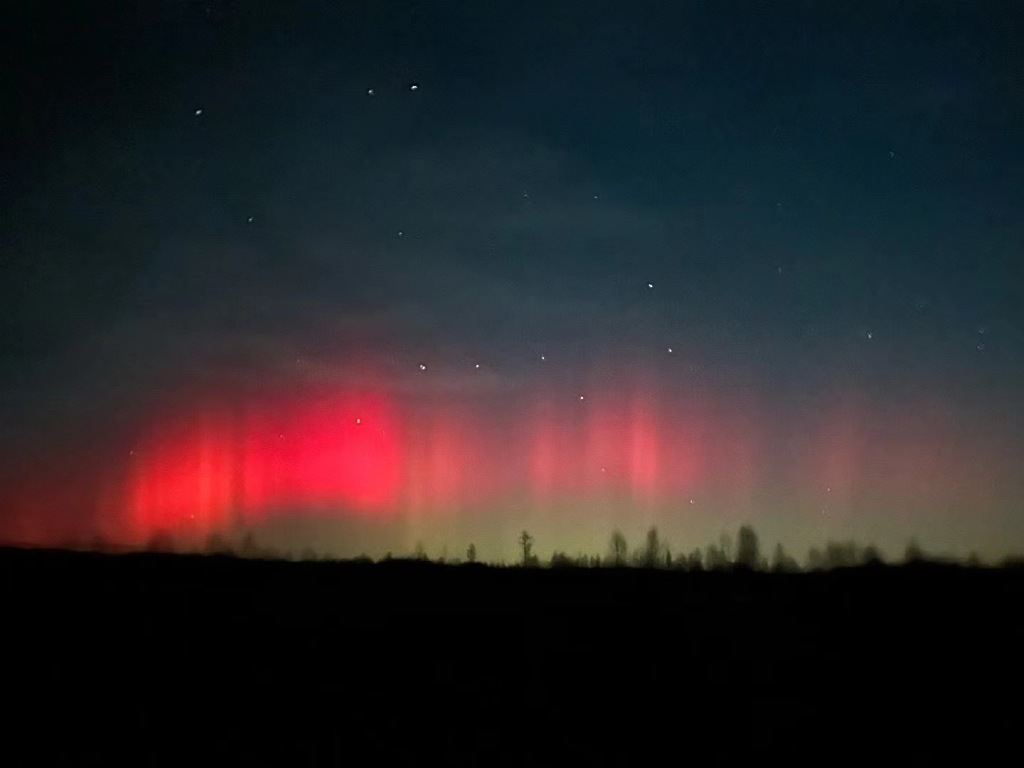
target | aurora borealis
[
  {"x": 686, "y": 267},
  {"x": 692, "y": 459}
]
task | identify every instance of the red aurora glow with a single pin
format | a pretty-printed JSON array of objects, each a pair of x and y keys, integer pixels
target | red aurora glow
[
  {"x": 370, "y": 455},
  {"x": 345, "y": 453},
  {"x": 367, "y": 455},
  {"x": 364, "y": 455}
]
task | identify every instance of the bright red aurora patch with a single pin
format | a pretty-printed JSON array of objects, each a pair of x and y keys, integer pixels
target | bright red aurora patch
[{"x": 344, "y": 453}]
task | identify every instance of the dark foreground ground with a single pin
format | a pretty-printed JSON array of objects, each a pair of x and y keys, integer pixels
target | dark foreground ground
[{"x": 169, "y": 660}]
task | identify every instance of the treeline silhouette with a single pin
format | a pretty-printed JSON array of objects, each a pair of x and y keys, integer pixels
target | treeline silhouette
[
  {"x": 247, "y": 658},
  {"x": 742, "y": 551}
]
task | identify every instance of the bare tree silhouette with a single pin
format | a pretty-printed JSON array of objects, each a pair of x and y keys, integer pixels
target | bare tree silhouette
[
  {"x": 618, "y": 549},
  {"x": 652, "y": 554},
  {"x": 471, "y": 553},
  {"x": 526, "y": 544}
]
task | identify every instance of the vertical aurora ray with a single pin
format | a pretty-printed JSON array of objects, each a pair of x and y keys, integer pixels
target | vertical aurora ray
[{"x": 626, "y": 456}]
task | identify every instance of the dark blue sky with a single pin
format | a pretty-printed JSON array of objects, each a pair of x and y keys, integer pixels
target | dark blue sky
[{"x": 826, "y": 198}]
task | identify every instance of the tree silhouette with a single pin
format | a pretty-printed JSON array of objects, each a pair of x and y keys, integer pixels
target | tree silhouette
[
  {"x": 815, "y": 560},
  {"x": 725, "y": 545},
  {"x": 913, "y": 553},
  {"x": 526, "y": 544},
  {"x": 618, "y": 548},
  {"x": 871, "y": 555},
  {"x": 651, "y": 555},
  {"x": 562, "y": 560},
  {"x": 715, "y": 558},
  {"x": 782, "y": 561},
  {"x": 695, "y": 562},
  {"x": 841, "y": 554},
  {"x": 471, "y": 553},
  {"x": 748, "y": 549}
]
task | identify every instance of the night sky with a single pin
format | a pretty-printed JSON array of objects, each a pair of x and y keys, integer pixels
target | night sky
[{"x": 362, "y": 276}]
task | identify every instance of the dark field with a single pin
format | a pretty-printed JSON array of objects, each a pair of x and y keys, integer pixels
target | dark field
[{"x": 151, "y": 659}]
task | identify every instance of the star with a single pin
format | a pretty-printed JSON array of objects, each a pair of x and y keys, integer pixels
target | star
[
  {"x": 691, "y": 501},
  {"x": 423, "y": 367},
  {"x": 870, "y": 335},
  {"x": 359, "y": 421},
  {"x": 581, "y": 397},
  {"x": 670, "y": 350},
  {"x": 370, "y": 91},
  {"x": 249, "y": 219},
  {"x": 650, "y": 285},
  {"x": 400, "y": 233},
  {"x": 542, "y": 358},
  {"x": 199, "y": 112},
  {"x": 414, "y": 86},
  {"x": 477, "y": 365}
]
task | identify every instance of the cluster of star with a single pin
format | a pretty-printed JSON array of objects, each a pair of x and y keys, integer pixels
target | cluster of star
[
  {"x": 542, "y": 358},
  {"x": 866, "y": 334},
  {"x": 413, "y": 87}
]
